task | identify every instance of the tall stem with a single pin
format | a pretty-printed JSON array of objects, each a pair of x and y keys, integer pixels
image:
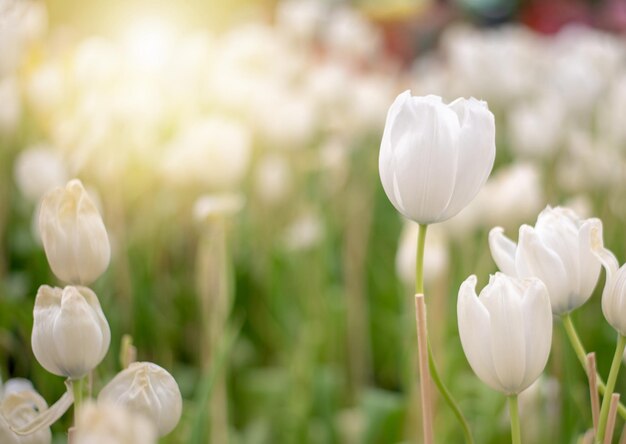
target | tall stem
[
  {"x": 77, "y": 390},
  {"x": 610, "y": 386},
  {"x": 516, "y": 434},
  {"x": 434, "y": 373},
  {"x": 574, "y": 339}
]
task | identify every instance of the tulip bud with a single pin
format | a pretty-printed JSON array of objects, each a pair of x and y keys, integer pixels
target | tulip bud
[
  {"x": 146, "y": 388},
  {"x": 506, "y": 332},
  {"x": 18, "y": 409},
  {"x": 434, "y": 158},
  {"x": 556, "y": 250},
  {"x": 108, "y": 423},
  {"x": 73, "y": 234},
  {"x": 70, "y": 336},
  {"x": 614, "y": 293}
]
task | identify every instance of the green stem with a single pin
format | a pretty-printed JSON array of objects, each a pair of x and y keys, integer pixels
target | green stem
[
  {"x": 574, "y": 339},
  {"x": 516, "y": 434},
  {"x": 441, "y": 387},
  {"x": 77, "y": 389},
  {"x": 419, "y": 260},
  {"x": 447, "y": 396},
  {"x": 610, "y": 386}
]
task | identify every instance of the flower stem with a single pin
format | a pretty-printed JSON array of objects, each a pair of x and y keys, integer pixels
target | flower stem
[
  {"x": 434, "y": 373},
  {"x": 574, "y": 339},
  {"x": 516, "y": 434},
  {"x": 610, "y": 386},
  {"x": 77, "y": 390}
]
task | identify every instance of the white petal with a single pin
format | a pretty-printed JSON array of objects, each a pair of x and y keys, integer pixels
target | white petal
[
  {"x": 476, "y": 151},
  {"x": 503, "y": 251},
  {"x": 614, "y": 302},
  {"x": 534, "y": 259},
  {"x": 508, "y": 342},
  {"x": 538, "y": 330},
  {"x": 589, "y": 263},
  {"x": 473, "y": 320}
]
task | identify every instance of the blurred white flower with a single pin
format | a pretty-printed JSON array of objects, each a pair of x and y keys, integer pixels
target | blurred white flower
[
  {"x": 106, "y": 423},
  {"x": 16, "y": 385},
  {"x": 556, "y": 250},
  {"x": 37, "y": 170},
  {"x": 211, "y": 153},
  {"x": 614, "y": 293},
  {"x": 46, "y": 88},
  {"x": 436, "y": 262},
  {"x": 272, "y": 178},
  {"x": 216, "y": 205},
  {"x": 70, "y": 335},
  {"x": 506, "y": 332},
  {"x": 147, "y": 389},
  {"x": 300, "y": 19},
  {"x": 11, "y": 109},
  {"x": 19, "y": 408},
  {"x": 348, "y": 35},
  {"x": 305, "y": 232},
  {"x": 73, "y": 234},
  {"x": 536, "y": 128},
  {"x": 96, "y": 64},
  {"x": 434, "y": 158}
]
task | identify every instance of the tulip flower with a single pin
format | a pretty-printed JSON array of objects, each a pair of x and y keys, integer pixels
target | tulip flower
[
  {"x": 506, "y": 332},
  {"x": 20, "y": 408},
  {"x": 70, "y": 335},
  {"x": 556, "y": 250},
  {"x": 434, "y": 158},
  {"x": 146, "y": 388},
  {"x": 73, "y": 234},
  {"x": 108, "y": 423}
]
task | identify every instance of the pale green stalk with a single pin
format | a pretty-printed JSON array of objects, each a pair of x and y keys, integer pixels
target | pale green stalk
[
  {"x": 443, "y": 390},
  {"x": 516, "y": 434},
  {"x": 610, "y": 387},
  {"x": 574, "y": 339},
  {"x": 77, "y": 390}
]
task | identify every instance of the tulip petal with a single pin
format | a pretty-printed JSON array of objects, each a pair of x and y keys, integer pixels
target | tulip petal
[
  {"x": 47, "y": 305},
  {"x": 537, "y": 328},
  {"x": 534, "y": 259},
  {"x": 508, "y": 342},
  {"x": 473, "y": 320},
  {"x": 476, "y": 152},
  {"x": 503, "y": 251},
  {"x": 589, "y": 263}
]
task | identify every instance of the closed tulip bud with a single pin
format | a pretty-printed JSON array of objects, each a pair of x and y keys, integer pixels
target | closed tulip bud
[
  {"x": 434, "y": 158},
  {"x": 148, "y": 389},
  {"x": 70, "y": 335},
  {"x": 20, "y": 408},
  {"x": 108, "y": 423},
  {"x": 556, "y": 250},
  {"x": 614, "y": 293},
  {"x": 506, "y": 332},
  {"x": 73, "y": 234}
]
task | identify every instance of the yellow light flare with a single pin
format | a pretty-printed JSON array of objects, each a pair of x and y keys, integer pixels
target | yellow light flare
[{"x": 149, "y": 43}]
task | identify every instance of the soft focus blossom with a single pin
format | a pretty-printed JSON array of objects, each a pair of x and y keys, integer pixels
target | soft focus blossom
[
  {"x": 434, "y": 158},
  {"x": 105, "y": 423},
  {"x": 216, "y": 205},
  {"x": 18, "y": 408},
  {"x": 556, "y": 250},
  {"x": 211, "y": 153},
  {"x": 506, "y": 332},
  {"x": 305, "y": 232},
  {"x": 39, "y": 169},
  {"x": 272, "y": 178},
  {"x": 73, "y": 234},
  {"x": 614, "y": 293},
  {"x": 147, "y": 389},
  {"x": 70, "y": 335}
]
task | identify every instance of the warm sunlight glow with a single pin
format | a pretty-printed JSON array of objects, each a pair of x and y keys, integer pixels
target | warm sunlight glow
[{"x": 149, "y": 43}]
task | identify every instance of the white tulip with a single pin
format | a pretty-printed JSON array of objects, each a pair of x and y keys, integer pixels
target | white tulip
[
  {"x": 18, "y": 409},
  {"x": 73, "y": 234},
  {"x": 38, "y": 170},
  {"x": 70, "y": 335},
  {"x": 434, "y": 158},
  {"x": 556, "y": 250},
  {"x": 506, "y": 332},
  {"x": 104, "y": 423},
  {"x": 614, "y": 293},
  {"x": 146, "y": 388}
]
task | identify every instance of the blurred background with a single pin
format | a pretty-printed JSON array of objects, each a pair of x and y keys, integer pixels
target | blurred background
[{"x": 232, "y": 148}]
